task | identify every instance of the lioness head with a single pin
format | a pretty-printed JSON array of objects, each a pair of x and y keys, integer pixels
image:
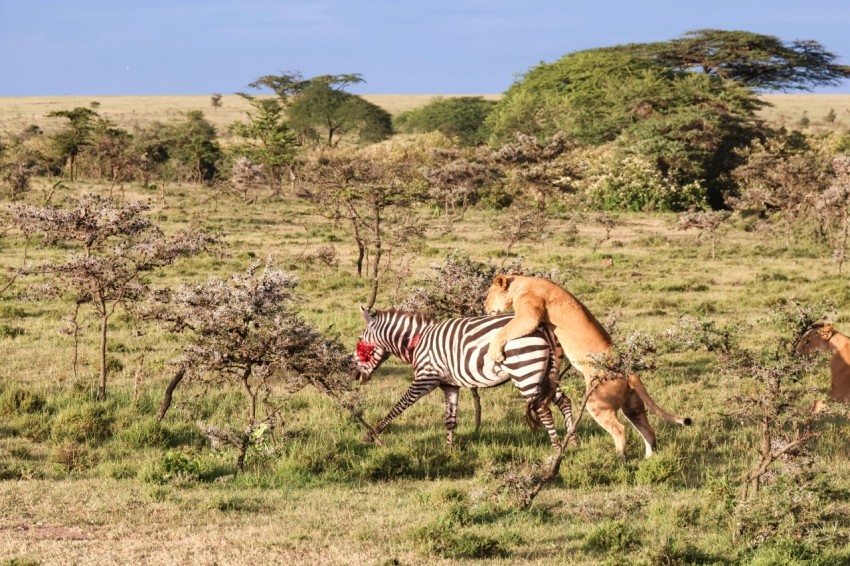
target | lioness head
[
  {"x": 500, "y": 295},
  {"x": 815, "y": 339}
]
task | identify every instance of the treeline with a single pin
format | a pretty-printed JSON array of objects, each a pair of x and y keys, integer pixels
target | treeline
[{"x": 667, "y": 126}]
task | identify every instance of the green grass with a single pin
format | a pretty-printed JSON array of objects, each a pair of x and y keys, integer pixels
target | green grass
[{"x": 88, "y": 482}]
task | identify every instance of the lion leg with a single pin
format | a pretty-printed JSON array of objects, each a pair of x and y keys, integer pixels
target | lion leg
[
  {"x": 635, "y": 411},
  {"x": 516, "y": 328},
  {"x": 607, "y": 419}
]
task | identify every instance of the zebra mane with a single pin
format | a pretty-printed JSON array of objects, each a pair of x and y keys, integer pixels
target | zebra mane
[{"x": 418, "y": 316}]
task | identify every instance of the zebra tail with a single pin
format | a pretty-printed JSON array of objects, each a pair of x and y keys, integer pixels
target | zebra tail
[{"x": 545, "y": 395}]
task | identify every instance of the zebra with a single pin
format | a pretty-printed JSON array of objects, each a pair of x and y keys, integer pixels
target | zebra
[{"x": 452, "y": 354}]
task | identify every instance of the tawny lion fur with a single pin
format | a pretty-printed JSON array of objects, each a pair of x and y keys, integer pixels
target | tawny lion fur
[
  {"x": 823, "y": 337},
  {"x": 536, "y": 300}
]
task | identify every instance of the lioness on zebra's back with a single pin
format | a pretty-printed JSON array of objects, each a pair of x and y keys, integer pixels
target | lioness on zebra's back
[{"x": 535, "y": 301}]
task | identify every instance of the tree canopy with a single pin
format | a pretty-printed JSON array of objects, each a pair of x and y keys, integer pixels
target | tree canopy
[
  {"x": 762, "y": 62},
  {"x": 321, "y": 109},
  {"x": 462, "y": 118},
  {"x": 684, "y": 123}
]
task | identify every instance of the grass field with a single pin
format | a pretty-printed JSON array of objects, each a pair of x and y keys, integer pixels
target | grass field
[
  {"x": 91, "y": 483},
  {"x": 84, "y": 482}
]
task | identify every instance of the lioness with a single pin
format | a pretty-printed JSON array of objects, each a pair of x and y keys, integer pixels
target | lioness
[
  {"x": 825, "y": 338},
  {"x": 536, "y": 300}
]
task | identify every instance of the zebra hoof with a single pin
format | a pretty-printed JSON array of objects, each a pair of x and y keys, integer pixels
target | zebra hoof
[{"x": 369, "y": 438}]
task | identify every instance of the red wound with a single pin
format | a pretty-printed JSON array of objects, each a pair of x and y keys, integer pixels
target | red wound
[{"x": 365, "y": 351}]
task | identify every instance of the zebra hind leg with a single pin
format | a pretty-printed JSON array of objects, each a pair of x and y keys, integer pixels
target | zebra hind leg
[
  {"x": 548, "y": 422},
  {"x": 476, "y": 401},
  {"x": 451, "y": 392},
  {"x": 566, "y": 407}
]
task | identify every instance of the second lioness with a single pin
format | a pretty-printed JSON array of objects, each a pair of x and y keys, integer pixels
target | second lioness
[{"x": 536, "y": 300}]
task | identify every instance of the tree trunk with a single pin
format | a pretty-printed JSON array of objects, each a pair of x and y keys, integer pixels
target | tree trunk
[
  {"x": 373, "y": 293},
  {"x": 252, "y": 418},
  {"x": 361, "y": 253},
  {"x": 104, "y": 323},
  {"x": 172, "y": 385}
]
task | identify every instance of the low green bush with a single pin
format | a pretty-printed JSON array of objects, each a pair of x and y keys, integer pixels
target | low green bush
[
  {"x": 87, "y": 422},
  {"x": 594, "y": 466},
  {"x": 174, "y": 466},
  {"x": 16, "y": 400},
  {"x": 615, "y": 536},
  {"x": 660, "y": 469},
  {"x": 74, "y": 457},
  {"x": 146, "y": 432},
  {"x": 444, "y": 539}
]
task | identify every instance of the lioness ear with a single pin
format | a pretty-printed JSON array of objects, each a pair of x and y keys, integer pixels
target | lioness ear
[{"x": 503, "y": 281}]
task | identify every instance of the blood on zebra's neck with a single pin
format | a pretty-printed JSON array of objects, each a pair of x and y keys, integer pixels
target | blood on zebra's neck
[{"x": 411, "y": 346}]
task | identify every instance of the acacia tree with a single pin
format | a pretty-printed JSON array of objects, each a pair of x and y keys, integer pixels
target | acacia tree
[
  {"x": 460, "y": 117},
  {"x": 763, "y": 62},
  {"x": 71, "y": 141},
  {"x": 116, "y": 247},
  {"x": 109, "y": 148},
  {"x": 774, "y": 401},
  {"x": 193, "y": 144},
  {"x": 320, "y": 108},
  {"x": 706, "y": 223},
  {"x": 687, "y": 124},
  {"x": 372, "y": 190},
  {"x": 243, "y": 331},
  {"x": 268, "y": 139},
  {"x": 244, "y": 176},
  {"x": 149, "y": 153},
  {"x": 17, "y": 166},
  {"x": 324, "y": 111},
  {"x": 521, "y": 222}
]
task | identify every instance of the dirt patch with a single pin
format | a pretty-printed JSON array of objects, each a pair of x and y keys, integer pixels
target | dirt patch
[{"x": 48, "y": 532}]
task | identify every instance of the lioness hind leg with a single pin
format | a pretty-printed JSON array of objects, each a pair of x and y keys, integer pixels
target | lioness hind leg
[
  {"x": 607, "y": 419},
  {"x": 635, "y": 411}
]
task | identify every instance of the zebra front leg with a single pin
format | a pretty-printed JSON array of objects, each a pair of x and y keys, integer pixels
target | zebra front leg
[
  {"x": 451, "y": 392},
  {"x": 416, "y": 390},
  {"x": 476, "y": 401}
]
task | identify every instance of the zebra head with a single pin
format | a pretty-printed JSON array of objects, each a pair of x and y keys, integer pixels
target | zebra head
[{"x": 369, "y": 353}]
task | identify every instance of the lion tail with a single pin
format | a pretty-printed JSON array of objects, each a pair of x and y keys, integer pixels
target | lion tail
[{"x": 636, "y": 384}]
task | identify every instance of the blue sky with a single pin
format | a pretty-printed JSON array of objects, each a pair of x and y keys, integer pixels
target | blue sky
[{"x": 99, "y": 47}]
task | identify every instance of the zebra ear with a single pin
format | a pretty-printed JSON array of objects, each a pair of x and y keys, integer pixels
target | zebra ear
[{"x": 367, "y": 316}]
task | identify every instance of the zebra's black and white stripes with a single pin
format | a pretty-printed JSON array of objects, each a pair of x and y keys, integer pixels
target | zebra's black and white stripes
[{"x": 452, "y": 353}]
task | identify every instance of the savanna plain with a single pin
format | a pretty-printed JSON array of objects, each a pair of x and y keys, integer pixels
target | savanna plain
[{"x": 131, "y": 489}]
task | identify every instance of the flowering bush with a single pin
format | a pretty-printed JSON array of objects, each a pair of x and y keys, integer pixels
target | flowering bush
[
  {"x": 635, "y": 184},
  {"x": 244, "y": 332}
]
